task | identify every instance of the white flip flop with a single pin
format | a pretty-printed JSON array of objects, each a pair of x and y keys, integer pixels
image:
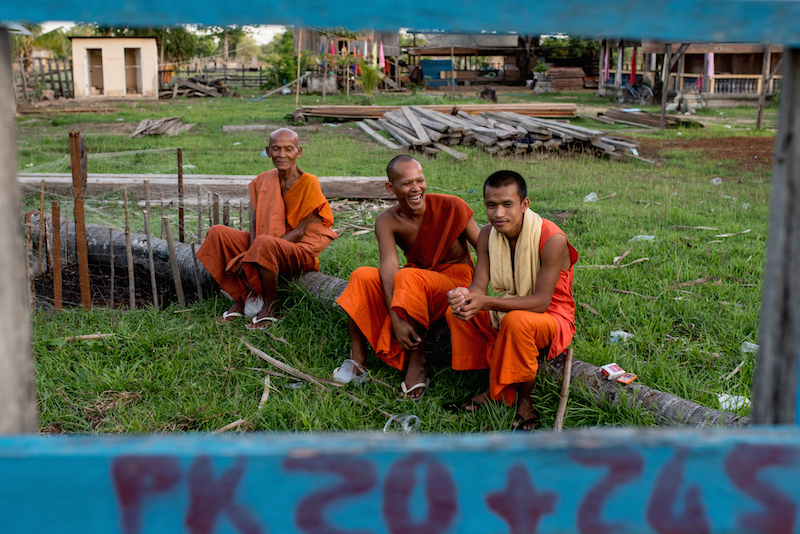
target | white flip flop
[
  {"x": 407, "y": 390},
  {"x": 254, "y": 324},
  {"x": 228, "y": 315}
]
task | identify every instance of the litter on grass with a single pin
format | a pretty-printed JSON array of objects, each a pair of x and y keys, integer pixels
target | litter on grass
[
  {"x": 591, "y": 197},
  {"x": 748, "y": 347},
  {"x": 619, "y": 336},
  {"x": 732, "y": 402},
  {"x": 408, "y": 422},
  {"x": 642, "y": 238},
  {"x": 717, "y": 181}
]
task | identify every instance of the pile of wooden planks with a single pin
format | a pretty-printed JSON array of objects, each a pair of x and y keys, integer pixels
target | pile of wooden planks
[
  {"x": 496, "y": 132},
  {"x": 567, "y": 78},
  {"x": 644, "y": 119},
  {"x": 197, "y": 87},
  {"x": 549, "y": 109},
  {"x": 167, "y": 127}
]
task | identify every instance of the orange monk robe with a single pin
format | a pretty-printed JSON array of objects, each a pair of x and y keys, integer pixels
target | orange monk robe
[
  {"x": 511, "y": 353},
  {"x": 227, "y": 252},
  {"x": 420, "y": 288}
]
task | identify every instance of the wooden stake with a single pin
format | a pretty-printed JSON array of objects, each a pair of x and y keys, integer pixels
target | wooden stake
[
  {"x": 150, "y": 263},
  {"x": 24, "y": 80},
  {"x": 173, "y": 261},
  {"x": 57, "y": 297},
  {"x": 111, "y": 260},
  {"x": 562, "y": 402},
  {"x": 216, "y": 208},
  {"x": 775, "y": 382},
  {"x": 664, "y": 81},
  {"x": 299, "y": 51},
  {"x": 181, "y": 226},
  {"x": 163, "y": 230},
  {"x": 199, "y": 216},
  {"x": 29, "y": 263},
  {"x": 226, "y": 212},
  {"x": 77, "y": 150},
  {"x": 210, "y": 212},
  {"x": 196, "y": 273},
  {"x": 41, "y": 229},
  {"x": 131, "y": 283},
  {"x": 762, "y": 95},
  {"x": 241, "y": 213}
]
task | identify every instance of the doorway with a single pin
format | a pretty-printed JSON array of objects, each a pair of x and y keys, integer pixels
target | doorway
[
  {"x": 94, "y": 75},
  {"x": 133, "y": 71}
]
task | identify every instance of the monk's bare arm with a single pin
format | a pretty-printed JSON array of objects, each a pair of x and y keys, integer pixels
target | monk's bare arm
[
  {"x": 299, "y": 231},
  {"x": 459, "y": 297},
  {"x": 387, "y": 249},
  {"x": 471, "y": 232}
]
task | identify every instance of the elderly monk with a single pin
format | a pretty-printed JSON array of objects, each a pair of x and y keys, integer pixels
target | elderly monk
[
  {"x": 392, "y": 307},
  {"x": 529, "y": 261},
  {"x": 290, "y": 225}
]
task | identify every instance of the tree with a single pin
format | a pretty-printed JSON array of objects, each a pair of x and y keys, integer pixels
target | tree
[{"x": 281, "y": 57}]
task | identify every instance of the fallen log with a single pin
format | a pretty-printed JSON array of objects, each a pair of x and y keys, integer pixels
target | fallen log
[{"x": 670, "y": 410}]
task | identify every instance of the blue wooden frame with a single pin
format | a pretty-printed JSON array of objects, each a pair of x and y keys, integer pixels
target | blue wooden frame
[
  {"x": 774, "y": 21},
  {"x": 592, "y": 481}
]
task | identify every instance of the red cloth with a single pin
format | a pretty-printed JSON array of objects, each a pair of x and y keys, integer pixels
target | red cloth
[
  {"x": 445, "y": 216},
  {"x": 230, "y": 259},
  {"x": 420, "y": 288},
  {"x": 511, "y": 353},
  {"x": 633, "y": 66}
]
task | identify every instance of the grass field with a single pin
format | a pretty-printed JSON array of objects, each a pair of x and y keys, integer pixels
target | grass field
[{"x": 170, "y": 371}]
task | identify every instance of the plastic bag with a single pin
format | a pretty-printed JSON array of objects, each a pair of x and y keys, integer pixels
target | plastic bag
[
  {"x": 252, "y": 305},
  {"x": 407, "y": 421},
  {"x": 591, "y": 197}
]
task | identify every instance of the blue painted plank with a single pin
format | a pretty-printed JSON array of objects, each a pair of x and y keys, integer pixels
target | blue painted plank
[
  {"x": 775, "y": 21},
  {"x": 593, "y": 481}
]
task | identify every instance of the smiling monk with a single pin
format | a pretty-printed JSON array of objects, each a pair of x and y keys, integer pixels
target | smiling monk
[
  {"x": 291, "y": 224},
  {"x": 529, "y": 262},
  {"x": 392, "y": 307}
]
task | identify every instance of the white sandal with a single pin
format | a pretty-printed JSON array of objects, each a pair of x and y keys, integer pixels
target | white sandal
[
  {"x": 346, "y": 373},
  {"x": 227, "y": 316},
  {"x": 254, "y": 324}
]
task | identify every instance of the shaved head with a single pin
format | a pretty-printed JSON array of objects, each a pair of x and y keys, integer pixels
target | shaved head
[
  {"x": 392, "y": 169},
  {"x": 281, "y": 132}
]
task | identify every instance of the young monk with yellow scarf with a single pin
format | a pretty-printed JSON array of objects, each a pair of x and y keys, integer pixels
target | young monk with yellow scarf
[{"x": 529, "y": 262}]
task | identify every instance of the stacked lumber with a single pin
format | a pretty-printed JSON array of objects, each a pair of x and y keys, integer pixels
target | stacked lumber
[
  {"x": 197, "y": 86},
  {"x": 567, "y": 78},
  {"x": 497, "y": 133},
  {"x": 549, "y": 109},
  {"x": 644, "y": 119},
  {"x": 167, "y": 127}
]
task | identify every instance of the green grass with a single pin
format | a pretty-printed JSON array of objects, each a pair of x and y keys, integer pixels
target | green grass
[{"x": 173, "y": 372}]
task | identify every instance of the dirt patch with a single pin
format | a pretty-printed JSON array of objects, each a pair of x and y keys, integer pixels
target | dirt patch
[{"x": 749, "y": 152}]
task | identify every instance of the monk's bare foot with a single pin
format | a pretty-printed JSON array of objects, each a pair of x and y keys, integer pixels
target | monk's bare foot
[
  {"x": 235, "y": 311},
  {"x": 416, "y": 374},
  {"x": 468, "y": 405},
  {"x": 527, "y": 418},
  {"x": 263, "y": 321}
]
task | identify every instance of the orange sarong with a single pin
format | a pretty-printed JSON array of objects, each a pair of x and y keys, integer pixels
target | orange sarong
[
  {"x": 420, "y": 288},
  {"x": 511, "y": 353},
  {"x": 233, "y": 262}
]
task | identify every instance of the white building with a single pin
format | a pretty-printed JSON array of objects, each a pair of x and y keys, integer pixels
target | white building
[{"x": 115, "y": 67}]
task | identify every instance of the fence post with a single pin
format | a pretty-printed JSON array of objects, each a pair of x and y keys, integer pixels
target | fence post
[{"x": 17, "y": 384}]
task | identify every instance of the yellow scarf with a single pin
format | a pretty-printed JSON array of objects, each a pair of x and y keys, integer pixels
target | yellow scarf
[{"x": 520, "y": 280}]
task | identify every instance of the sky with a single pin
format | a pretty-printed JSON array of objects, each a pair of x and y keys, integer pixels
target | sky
[{"x": 262, "y": 34}]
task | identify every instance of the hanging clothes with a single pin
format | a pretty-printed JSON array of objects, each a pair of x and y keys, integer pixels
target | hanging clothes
[
  {"x": 633, "y": 66},
  {"x": 382, "y": 60},
  {"x": 605, "y": 66}
]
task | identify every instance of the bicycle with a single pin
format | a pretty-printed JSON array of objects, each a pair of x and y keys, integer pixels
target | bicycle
[{"x": 638, "y": 93}]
